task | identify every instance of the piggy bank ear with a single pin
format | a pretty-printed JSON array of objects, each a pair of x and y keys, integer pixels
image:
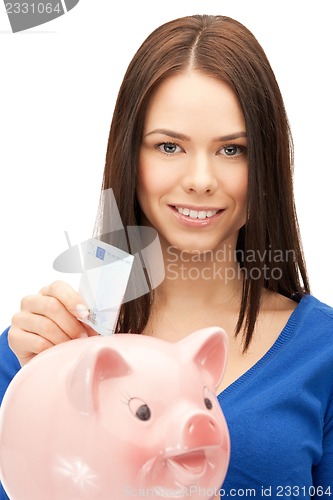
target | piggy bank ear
[
  {"x": 208, "y": 349},
  {"x": 93, "y": 366}
]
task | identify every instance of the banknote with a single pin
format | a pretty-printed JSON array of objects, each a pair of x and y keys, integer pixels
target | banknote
[{"x": 105, "y": 273}]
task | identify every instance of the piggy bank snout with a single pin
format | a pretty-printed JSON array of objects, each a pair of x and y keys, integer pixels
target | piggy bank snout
[{"x": 201, "y": 431}]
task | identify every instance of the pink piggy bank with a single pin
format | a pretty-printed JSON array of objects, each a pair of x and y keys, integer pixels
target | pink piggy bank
[{"x": 107, "y": 418}]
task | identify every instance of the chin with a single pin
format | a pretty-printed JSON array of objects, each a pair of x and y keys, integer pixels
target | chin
[{"x": 193, "y": 248}]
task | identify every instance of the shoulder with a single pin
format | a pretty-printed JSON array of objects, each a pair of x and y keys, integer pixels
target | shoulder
[
  {"x": 311, "y": 333},
  {"x": 307, "y": 328},
  {"x": 312, "y": 312}
]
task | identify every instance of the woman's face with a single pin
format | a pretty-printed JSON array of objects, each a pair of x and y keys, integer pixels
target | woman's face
[{"x": 192, "y": 172}]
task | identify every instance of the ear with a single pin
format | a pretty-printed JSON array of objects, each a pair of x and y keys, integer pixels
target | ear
[
  {"x": 208, "y": 348},
  {"x": 94, "y": 365}
]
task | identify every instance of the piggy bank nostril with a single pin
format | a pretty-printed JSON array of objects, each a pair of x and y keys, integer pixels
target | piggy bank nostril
[
  {"x": 212, "y": 425},
  {"x": 208, "y": 425},
  {"x": 201, "y": 430}
]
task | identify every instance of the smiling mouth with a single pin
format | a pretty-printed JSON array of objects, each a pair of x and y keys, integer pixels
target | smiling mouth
[
  {"x": 196, "y": 214},
  {"x": 177, "y": 471},
  {"x": 193, "y": 463}
]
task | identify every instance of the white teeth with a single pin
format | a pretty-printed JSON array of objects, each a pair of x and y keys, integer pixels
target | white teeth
[{"x": 194, "y": 214}]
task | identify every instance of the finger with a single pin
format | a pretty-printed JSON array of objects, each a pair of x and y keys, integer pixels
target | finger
[
  {"x": 26, "y": 345},
  {"x": 90, "y": 331},
  {"x": 51, "y": 308},
  {"x": 69, "y": 297},
  {"x": 40, "y": 325}
]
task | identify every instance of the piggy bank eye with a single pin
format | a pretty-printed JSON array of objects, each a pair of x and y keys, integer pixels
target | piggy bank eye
[
  {"x": 143, "y": 412},
  {"x": 208, "y": 399},
  {"x": 208, "y": 404},
  {"x": 139, "y": 409}
]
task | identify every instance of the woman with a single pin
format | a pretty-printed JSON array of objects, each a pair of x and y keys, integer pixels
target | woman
[{"x": 200, "y": 149}]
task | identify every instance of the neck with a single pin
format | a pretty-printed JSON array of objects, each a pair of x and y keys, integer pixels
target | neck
[{"x": 201, "y": 279}]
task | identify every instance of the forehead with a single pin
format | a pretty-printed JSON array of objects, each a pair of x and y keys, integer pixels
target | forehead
[{"x": 191, "y": 98}]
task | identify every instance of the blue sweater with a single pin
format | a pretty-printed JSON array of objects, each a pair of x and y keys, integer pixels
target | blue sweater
[{"x": 279, "y": 413}]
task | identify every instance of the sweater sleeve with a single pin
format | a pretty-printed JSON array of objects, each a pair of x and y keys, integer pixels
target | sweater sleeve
[
  {"x": 323, "y": 471},
  {"x": 9, "y": 366}
]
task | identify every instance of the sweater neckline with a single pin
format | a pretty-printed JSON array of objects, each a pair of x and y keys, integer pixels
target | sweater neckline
[{"x": 283, "y": 337}]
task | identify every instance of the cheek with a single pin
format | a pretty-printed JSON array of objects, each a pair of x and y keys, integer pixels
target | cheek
[
  {"x": 152, "y": 180},
  {"x": 242, "y": 189},
  {"x": 242, "y": 201},
  {"x": 148, "y": 187},
  {"x": 242, "y": 197},
  {"x": 236, "y": 186}
]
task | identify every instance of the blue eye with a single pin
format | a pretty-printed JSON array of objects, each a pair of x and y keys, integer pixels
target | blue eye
[
  {"x": 232, "y": 150},
  {"x": 168, "y": 148}
]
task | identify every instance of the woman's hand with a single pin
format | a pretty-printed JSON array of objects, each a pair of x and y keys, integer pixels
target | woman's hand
[{"x": 47, "y": 319}]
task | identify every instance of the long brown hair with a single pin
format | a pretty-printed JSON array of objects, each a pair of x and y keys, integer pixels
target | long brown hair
[{"x": 223, "y": 48}]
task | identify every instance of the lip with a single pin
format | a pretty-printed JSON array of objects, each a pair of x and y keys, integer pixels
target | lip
[
  {"x": 195, "y": 223},
  {"x": 197, "y": 208}
]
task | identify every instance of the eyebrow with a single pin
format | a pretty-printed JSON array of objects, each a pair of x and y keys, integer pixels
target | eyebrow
[{"x": 183, "y": 137}]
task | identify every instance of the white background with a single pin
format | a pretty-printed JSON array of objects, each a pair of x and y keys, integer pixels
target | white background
[{"x": 58, "y": 86}]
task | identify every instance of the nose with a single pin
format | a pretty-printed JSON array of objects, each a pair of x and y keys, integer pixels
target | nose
[
  {"x": 200, "y": 176},
  {"x": 201, "y": 430}
]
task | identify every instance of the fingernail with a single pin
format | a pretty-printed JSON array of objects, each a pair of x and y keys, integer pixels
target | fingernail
[
  {"x": 83, "y": 335},
  {"x": 82, "y": 311}
]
